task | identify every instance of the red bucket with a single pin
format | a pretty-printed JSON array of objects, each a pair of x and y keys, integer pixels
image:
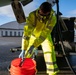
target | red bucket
[{"x": 28, "y": 67}]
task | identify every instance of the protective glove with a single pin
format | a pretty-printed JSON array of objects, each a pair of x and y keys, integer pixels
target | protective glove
[
  {"x": 31, "y": 49},
  {"x": 30, "y": 52},
  {"x": 22, "y": 54}
]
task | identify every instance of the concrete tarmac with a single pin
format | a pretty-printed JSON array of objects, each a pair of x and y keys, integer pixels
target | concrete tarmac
[{"x": 6, "y": 56}]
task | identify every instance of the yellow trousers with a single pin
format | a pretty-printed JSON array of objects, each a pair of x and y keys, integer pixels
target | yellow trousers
[{"x": 49, "y": 56}]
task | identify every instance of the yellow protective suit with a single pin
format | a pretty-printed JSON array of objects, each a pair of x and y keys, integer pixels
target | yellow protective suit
[{"x": 37, "y": 31}]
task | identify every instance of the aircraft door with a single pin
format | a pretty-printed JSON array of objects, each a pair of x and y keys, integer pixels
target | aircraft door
[{"x": 18, "y": 11}]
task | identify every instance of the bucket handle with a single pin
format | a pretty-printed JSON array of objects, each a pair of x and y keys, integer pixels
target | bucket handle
[{"x": 21, "y": 62}]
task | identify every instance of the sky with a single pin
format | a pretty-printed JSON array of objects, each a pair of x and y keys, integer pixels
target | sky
[{"x": 66, "y": 7}]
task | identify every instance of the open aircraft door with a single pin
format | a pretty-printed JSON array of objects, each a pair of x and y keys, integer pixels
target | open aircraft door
[{"x": 18, "y": 10}]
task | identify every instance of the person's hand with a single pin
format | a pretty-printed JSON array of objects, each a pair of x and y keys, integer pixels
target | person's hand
[
  {"x": 29, "y": 52},
  {"x": 22, "y": 54},
  {"x": 31, "y": 49}
]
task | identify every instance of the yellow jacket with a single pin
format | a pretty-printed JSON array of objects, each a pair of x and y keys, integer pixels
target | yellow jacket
[{"x": 39, "y": 27}]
